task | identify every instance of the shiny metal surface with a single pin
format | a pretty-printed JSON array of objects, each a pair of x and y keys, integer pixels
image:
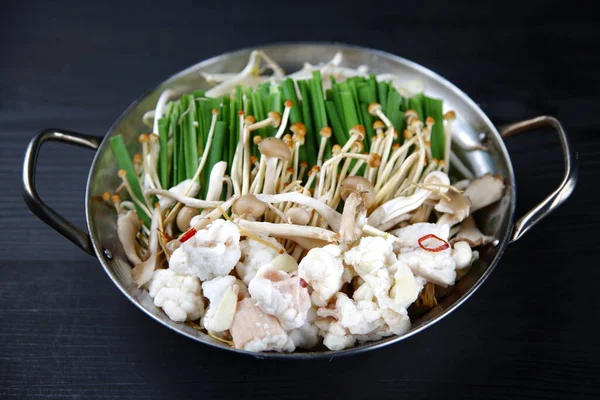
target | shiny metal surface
[
  {"x": 567, "y": 185},
  {"x": 471, "y": 123},
  {"x": 33, "y": 200}
]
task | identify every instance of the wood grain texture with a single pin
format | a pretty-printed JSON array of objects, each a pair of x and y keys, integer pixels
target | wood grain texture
[{"x": 66, "y": 332}]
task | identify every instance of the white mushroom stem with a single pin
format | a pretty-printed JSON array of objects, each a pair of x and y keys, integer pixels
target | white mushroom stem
[
  {"x": 215, "y": 181},
  {"x": 333, "y": 161},
  {"x": 270, "y": 175},
  {"x": 385, "y": 148},
  {"x": 332, "y": 217},
  {"x": 396, "y": 178},
  {"x": 460, "y": 167},
  {"x": 349, "y": 217},
  {"x": 211, "y": 133},
  {"x": 303, "y": 167},
  {"x": 280, "y": 215},
  {"x": 201, "y": 222},
  {"x": 288, "y": 231},
  {"x": 257, "y": 183},
  {"x": 322, "y": 147},
  {"x": 159, "y": 111},
  {"x": 402, "y": 205},
  {"x": 357, "y": 166},
  {"x": 384, "y": 173},
  {"x": 284, "y": 119},
  {"x": 188, "y": 201}
]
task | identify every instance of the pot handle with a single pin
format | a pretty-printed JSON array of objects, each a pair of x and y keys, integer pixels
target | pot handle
[
  {"x": 35, "y": 204},
  {"x": 567, "y": 185}
]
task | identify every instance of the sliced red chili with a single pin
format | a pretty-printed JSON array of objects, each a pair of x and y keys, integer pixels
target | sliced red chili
[
  {"x": 188, "y": 235},
  {"x": 444, "y": 246},
  {"x": 303, "y": 283}
]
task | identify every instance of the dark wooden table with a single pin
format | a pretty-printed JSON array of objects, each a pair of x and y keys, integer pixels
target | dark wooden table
[{"x": 66, "y": 331}]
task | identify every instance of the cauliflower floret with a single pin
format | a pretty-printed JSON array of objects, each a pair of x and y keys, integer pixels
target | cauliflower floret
[
  {"x": 180, "y": 189},
  {"x": 253, "y": 330},
  {"x": 280, "y": 295},
  {"x": 254, "y": 255},
  {"x": 322, "y": 269},
  {"x": 214, "y": 290},
  {"x": 462, "y": 254},
  {"x": 408, "y": 237},
  {"x": 371, "y": 260},
  {"x": 179, "y": 296},
  {"x": 360, "y": 317},
  {"x": 306, "y": 336},
  {"x": 337, "y": 337},
  {"x": 211, "y": 252}
]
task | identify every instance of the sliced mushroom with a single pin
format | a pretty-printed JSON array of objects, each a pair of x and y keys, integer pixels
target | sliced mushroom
[
  {"x": 484, "y": 191},
  {"x": 358, "y": 194},
  {"x": 456, "y": 204},
  {"x": 469, "y": 233},
  {"x": 128, "y": 225}
]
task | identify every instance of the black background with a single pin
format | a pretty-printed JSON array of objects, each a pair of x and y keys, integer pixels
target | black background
[{"x": 66, "y": 331}]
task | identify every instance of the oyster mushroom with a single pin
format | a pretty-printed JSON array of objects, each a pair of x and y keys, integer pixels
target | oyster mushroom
[
  {"x": 358, "y": 194},
  {"x": 456, "y": 206},
  {"x": 484, "y": 191},
  {"x": 468, "y": 232},
  {"x": 128, "y": 225}
]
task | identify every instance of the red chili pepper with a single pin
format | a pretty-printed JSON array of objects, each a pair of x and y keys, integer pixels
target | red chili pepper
[
  {"x": 188, "y": 235},
  {"x": 444, "y": 246},
  {"x": 303, "y": 283}
]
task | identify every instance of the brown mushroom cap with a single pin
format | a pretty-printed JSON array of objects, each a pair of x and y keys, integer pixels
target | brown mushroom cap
[
  {"x": 298, "y": 216},
  {"x": 273, "y": 147},
  {"x": 325, "y": 131},
  {"x": 378, "y": 125},
  {"x": 275, "y": 118},
  {"x": 298, "y": 128},
  {"x": 374, "y": 108},
  {"x": 361, "y": 186},
  {"x": 249, "y": 204}
]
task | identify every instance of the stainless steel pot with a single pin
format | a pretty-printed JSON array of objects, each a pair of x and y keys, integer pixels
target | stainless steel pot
[{"x": 472, "y": 124}]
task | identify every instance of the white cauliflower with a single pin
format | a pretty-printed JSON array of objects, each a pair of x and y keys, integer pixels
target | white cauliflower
[
  {"x": 281, "y": 295},
  {"x": 180, "y": 189},
  {"x": 337, "y": 337},
  {"x": 215, "y": 290},
  {"x": 306, "y": 336},
  {"x": 179, "y": 296},
  {"x": 211, "y": 252},
  {"x": 254, "y": 330},
  {"x": 359, "y": 317},
  {"x": 322, "y": 269},
  {"x": 254, "y": 255},
  {"x": 371, "y": 260}
]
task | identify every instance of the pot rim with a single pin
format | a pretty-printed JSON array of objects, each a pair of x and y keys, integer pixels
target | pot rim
[{"x": 503, "y": 242}]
